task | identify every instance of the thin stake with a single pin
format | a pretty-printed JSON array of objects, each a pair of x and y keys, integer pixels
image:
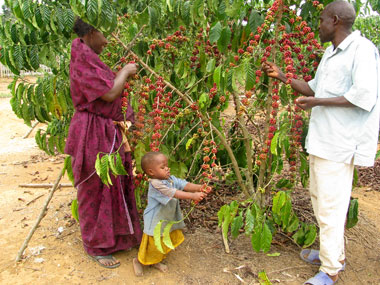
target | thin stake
[
  {"x": 31, "y": 129},
  {"x": 40, "y": 217}
]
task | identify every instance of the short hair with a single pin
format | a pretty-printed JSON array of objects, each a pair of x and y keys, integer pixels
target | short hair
[
  {"x": 148, "y": 159},
  {"x": 344, "y": 10},
  {"x": 81, "y": 28}
]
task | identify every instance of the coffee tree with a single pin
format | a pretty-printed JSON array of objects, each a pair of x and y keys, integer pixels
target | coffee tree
[{"x": 199, "y": 60}]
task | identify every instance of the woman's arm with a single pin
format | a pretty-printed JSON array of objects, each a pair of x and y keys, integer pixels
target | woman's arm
[{"x": 119, "y": 82}]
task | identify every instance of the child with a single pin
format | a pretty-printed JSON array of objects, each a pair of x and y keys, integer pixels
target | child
[{"x": 163, "y": 204}]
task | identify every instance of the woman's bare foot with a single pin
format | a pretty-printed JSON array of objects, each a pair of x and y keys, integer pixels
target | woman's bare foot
[
  {"x": 137, "y": 267},
  {"x": 160, "y": 266}
]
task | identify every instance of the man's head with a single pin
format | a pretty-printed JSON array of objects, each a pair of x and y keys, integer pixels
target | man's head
[
  {"x": 155, "y": 165},
  {"x": 337, "y": 17}
]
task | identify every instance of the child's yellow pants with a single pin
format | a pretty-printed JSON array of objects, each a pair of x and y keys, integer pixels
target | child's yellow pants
[{"x": 148, "y": 252}]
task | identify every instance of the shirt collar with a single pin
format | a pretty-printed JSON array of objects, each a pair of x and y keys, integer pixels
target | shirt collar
[
  {"x": 348, "y": 40},
  {"x": 344, "y": 44}
]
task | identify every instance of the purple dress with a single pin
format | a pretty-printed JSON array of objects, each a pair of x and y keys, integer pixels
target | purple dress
[{"x": 108, "y": 216}]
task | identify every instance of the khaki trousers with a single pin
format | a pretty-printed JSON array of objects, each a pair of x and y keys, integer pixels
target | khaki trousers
[{"x": 330, "y": 190}]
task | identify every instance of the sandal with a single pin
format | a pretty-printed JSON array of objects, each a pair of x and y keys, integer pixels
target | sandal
[
  {"x": 312, "y": 256},
  {"x": 320, "y": 278},
  {"x": 97, "y": 258}
]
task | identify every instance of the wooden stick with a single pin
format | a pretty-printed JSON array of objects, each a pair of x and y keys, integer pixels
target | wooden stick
[
  {"x": 31, "y": 201},
  {"x": 30, "y": 131},
  {"x": 40, "y": 217},
  {"x": 48, "y": 185}
]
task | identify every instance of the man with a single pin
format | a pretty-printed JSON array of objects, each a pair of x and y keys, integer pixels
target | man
[{"x": 343, "y": 130}]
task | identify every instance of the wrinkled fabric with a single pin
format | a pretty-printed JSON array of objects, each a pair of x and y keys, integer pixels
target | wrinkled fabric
[
  {"x": 149, "y": 254},
  {"x": 108, "y": 216}
]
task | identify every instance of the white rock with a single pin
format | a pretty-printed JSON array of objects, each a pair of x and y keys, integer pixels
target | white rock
[{"x": 39, "y": 260}]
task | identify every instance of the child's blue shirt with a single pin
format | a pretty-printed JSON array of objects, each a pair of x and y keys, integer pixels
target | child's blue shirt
[{"x": 162, "y": 205}]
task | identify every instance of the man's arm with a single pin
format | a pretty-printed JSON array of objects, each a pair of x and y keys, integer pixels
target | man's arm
[
  {"x": 298, "y": 85},
  {"x": 310, "y": 102}
]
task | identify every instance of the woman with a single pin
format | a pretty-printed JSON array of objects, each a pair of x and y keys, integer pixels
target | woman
[{"x": 108, "y": 217}]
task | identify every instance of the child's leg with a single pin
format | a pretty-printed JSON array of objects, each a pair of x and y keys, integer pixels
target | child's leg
[
  {"x": 138, "y": 267},
  {"x": 160, "y": 266}
]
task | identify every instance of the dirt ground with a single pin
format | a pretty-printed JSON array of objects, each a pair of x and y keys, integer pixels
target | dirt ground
[{"x": 55, "y": 254}]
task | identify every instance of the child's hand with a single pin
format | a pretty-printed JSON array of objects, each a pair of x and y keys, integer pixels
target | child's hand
[{"x": 198, "y": 196}]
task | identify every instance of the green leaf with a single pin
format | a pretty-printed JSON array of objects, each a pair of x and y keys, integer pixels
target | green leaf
[
  {"x": 355, "y": 178},
  {"x": 217, "y": 75},
  {"x": 188, "y": 143},
  {"x": 278, "y": 202},
  {"x": 60, "y": 19},
  {"x": 210, "y": 65},
  {"x": 266, "y": 239},
  {"x": 263, "y": 278},
  {"x": 284, "y": 183},
  {"x": 377, "y": 155},
  {"x": 273, "y": 145},
  {"x": 74, "y": 209},
  {"x": 153, "y": 16},
  {"x": 157, "y": 237},
  {"x": 256, "y": 238},
  {"x": 224, "y": 39},
  {"x": 221, "y": 214},
  {"x": 310, "y": 236},
  {"x": 111, "y": 162},
  {"x": 68, "y": 19},
  {"x": 9, "y": 60},
  {"x": 204, "y": 101},
  {"x": 45, "y": 14},
  {"x": 352, "y": 214},
  {"x": 26, "y": 9},
  {"x": 68, "y": 169},
  {"x": 254, "y": 21},
  {"x": 170, "y": 5},
  {"x": 92, "y": 11},
  {"x": 38, "y": 17},
  {"x": 166, "y": 235},
  {"x": 17, "y": 56},
  {"x": 25, "y": 114},
  {"x": 250, "y": 77},
  {"x": 120, "y": 166},
  {"x": 215, "y": 32},
  {"x": 249, "y": 221},
  {"x": 98, "y": 167},
  {"x": 236, "y": 225},
  {"x": 14, "y": 34},
  {"x": 293, "y": 224}
]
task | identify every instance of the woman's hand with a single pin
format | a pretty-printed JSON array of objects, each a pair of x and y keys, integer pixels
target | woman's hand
[{"x": 130, "y": 69}]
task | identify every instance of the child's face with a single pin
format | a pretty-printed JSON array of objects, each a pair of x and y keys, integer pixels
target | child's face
[{"x": 159, "y": 168}]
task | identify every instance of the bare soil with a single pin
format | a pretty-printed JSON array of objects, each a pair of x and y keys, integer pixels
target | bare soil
[{"x": 55, "y": 254}]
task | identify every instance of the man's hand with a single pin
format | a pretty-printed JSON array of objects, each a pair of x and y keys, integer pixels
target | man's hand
[
  {"x": 306, "y": 102},
  {"x": 272, "y": 70}
]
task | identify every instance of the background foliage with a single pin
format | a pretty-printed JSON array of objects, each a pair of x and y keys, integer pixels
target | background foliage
[{"x": 197, "y": 58}]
